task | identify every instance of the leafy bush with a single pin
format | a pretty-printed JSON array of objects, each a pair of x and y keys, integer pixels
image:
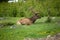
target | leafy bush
[{"x": 21, "y": 9}]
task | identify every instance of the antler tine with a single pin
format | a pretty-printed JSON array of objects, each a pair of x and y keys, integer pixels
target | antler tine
[{"x": 33, "y": 10}]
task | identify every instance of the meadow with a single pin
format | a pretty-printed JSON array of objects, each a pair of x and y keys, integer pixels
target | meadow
[
  {"x": 10, "y": 13},
  {"x": 10, "y": 31}
]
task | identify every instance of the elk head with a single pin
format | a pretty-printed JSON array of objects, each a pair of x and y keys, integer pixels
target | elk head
[{"x": 35, "y": 17}]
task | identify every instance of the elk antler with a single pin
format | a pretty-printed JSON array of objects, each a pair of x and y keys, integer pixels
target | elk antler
[{"x": 33, "y": 10}]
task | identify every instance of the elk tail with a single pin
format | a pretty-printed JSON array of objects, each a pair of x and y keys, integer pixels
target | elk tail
[{"x": 18, "y": 23}]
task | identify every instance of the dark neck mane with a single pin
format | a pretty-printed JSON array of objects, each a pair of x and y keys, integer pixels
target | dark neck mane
[{"x": 33, "y": 19}]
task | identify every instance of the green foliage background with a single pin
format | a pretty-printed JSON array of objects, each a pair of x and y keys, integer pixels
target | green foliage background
[{"x": 21, "y": 9}]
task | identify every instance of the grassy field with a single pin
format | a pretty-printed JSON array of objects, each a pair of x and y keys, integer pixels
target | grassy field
[{"x": 10, "y": 31}]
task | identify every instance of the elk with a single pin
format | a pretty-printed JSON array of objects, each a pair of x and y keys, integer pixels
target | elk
[{"x": 29, "y": 21}]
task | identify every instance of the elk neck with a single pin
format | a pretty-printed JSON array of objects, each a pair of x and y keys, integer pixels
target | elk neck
[{"x": 33, "y": 19}]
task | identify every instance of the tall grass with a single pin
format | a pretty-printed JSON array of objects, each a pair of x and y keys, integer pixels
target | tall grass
[{"x": 21, "y": 9}]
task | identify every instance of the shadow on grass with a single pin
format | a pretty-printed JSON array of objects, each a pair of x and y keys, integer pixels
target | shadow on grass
[
  {"x": 40, "y": 23},
  {"x": 6, "y": 24}
]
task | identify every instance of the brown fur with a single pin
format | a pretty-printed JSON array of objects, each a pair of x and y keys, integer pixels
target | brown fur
[
  {"x": 25, "y": 21},
  {"x": 28, "y": 21}
]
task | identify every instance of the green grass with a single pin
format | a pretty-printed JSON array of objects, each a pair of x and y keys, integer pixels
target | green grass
[{"x": 38, "y": 29}]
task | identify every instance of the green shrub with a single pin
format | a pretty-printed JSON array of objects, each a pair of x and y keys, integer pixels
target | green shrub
[{"x": 21, "y": 9}]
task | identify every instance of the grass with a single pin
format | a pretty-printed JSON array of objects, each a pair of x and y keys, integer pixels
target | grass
[{"x": 36, "y": 30}]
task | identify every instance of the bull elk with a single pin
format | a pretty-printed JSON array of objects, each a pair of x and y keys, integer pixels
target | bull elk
[{"x": 29, "y": 21}]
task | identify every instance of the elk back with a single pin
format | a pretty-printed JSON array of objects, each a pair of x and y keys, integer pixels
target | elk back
[{"x": 25, "y": 21}]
